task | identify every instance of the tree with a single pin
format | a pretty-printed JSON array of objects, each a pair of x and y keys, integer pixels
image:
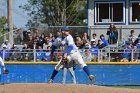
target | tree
[
  {"x": 3, "y": 21},
  {"x": 56, "y": 12}
]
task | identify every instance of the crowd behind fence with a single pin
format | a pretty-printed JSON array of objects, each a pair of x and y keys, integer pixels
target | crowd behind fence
[
  {"x": 89, "y": 55},
  {"x": 36, "y": 44}
]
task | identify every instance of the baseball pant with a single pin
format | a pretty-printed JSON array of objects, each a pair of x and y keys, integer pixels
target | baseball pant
[{"x": 71, "y": 73}]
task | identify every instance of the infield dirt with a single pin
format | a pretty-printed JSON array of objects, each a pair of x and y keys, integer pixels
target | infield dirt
[{"x": 62, "y": 88}]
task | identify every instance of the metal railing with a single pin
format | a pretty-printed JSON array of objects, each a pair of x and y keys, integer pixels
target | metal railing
[{"x": 101, "y": 55}]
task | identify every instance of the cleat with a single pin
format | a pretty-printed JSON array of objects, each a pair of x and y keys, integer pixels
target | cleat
[
  {"x": 91, "y": 77},
  {"x": 50, "y": 81}
]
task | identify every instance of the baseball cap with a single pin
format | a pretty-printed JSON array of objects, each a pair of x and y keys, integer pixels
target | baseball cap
[
  {"x": 93, "y": 40},
  {"x": 65, "y": 28}
]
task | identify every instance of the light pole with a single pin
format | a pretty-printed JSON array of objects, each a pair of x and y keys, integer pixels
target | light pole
[{"x": 10, "y": 21}]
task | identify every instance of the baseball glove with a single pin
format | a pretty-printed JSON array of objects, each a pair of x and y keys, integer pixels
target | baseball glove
[{"x": 6, "y": 71}]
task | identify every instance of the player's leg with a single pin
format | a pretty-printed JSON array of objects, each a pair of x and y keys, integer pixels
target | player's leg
[
  {"x": 64, "y": 75},
  {"x": 55, "y": 71},
  {"x": 72, "y": 74},
  {"x": 77, "y": 57}
]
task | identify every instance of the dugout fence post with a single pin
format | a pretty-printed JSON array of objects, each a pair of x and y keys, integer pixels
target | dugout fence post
[
  {"x": 132, "y": 56},
  {"x": 34, "y": 51},
  {"x": 4, "y": 54}
]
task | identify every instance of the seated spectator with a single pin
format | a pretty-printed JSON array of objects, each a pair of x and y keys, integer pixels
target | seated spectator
[
  {"x": 15, "y": 53},
  {"x": 126, "y": 55},
  {"x": 136, "y": 41},
  {"x": 42, "y": 39},
  {"x": 47, "y": 54},
  {"x": 115, "y": 55},
  {"x": 87, "y": 57},
  {"x": 94, "y": 50},
  {"x": 100, "y": 44},
  {"x": 137, "y": 50},
  {"x": 136, "y": 54},
  {"x": 85, "y": 38},
  {"x": 112, "y": 34},
  {"x": 37, "y": 42},
  {"x": 46, "y": 43},
  {"x": 26, "y": 56},
  {"x": 30, "y": 42},
  {"x": 39, "y": 54},
  {"x": 94, "y": 36},
  {"x": 58, "y": 54},
  {"x": 78, "y": 41},
  {"x": 132, "y": 36},
  {"x": 102, "y": 37}
]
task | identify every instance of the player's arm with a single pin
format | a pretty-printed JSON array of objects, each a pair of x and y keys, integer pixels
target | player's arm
[{"x": 2, "y": 63}]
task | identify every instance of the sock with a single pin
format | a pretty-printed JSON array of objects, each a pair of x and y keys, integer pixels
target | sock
[
  {"x": 54, "y": 74},
  {"x": 85, "y": 68}
]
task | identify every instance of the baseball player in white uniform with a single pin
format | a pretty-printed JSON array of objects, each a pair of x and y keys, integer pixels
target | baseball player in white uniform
[{"x": 71, "y": 53}]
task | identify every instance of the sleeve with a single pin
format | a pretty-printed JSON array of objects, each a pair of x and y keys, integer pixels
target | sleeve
[
  {"x": 69, "y": 49},
  {"x": 70, "y": 45}
]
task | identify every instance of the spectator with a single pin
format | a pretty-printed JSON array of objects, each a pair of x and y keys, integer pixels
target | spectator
[
  {"x": 132, "y": 36},
  {"x": 51, "y": 37},
  {"x": 136, "y": 41},
  {"x": 37, "y": 42},
  {"x": 25, "y": 55},
  {"x": 137, "y": 49},
  {"x": 126, "y": 56},
  {"x": 102, "y": 37},
  {"x": 94, "y": 36},
  {"x": 94, "y": 50},
  {"x": 39, "y": 54},
  {"x": 135, "y": 53},
  {"x": 87, "y": 57},
  {"x": 15, "y": 53},
  {"x": 85, "y": 38},
  {"x": 42, "y": 39},
  {"x": 46, "y": 43},
  {"x": 78, "y": 41},
  {"x": 30, "y": 42},
  {"x": 115, "y": 55},
  {"x": 47, "y": 54},
  {"x": 112, "y": 34},
  {"x": 100, "y": 44},
  {"x": 7, "y": 44}
]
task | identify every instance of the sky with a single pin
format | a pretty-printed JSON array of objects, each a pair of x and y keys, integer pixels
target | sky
[{"x": 20, "y": 17}]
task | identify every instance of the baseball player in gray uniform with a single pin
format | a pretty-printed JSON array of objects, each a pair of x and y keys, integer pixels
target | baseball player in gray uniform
[
  {"x": 71, "y": 53},
  {"x": 68, "y": 66}
]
